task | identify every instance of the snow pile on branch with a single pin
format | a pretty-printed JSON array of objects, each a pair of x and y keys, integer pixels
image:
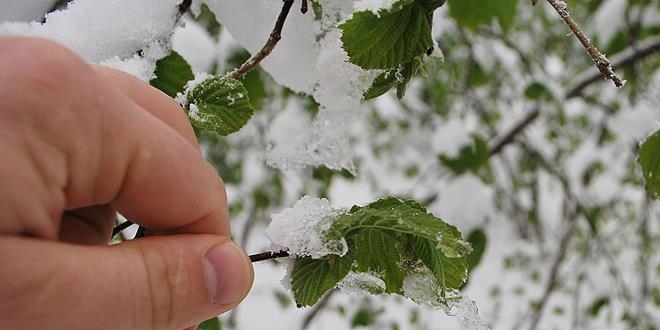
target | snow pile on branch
[
  {"x": 309, "y": 59},
  {"x": 298, "y": 229},
  {"x": 113, "y": 32}
]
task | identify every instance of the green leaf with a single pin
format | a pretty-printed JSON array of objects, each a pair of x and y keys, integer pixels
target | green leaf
[
  {"x": 474, "y": 13},
  {"x": 386, "y": 239},
  {"x": 381, "y": 85},
  {"x": 210, "y": 324},
  {"x": 470, "y": 158},
  {"x": 220, "y": 105},
  {"x": 598, "y": 305},
  {"x": 207, "y": 19},
  {"x": 649, "y": 160},
  {"x": 377, "y": 251},
  {"x": 478, "y": 240},
  {"x": 311, "y": 278},
  {"x": 538, "y": 91},
  {"x": 172, "y": 73},
  {"x": 390, "y": 38}
]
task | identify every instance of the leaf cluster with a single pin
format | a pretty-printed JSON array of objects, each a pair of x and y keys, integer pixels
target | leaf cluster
[{"x": 387, "y": 239}]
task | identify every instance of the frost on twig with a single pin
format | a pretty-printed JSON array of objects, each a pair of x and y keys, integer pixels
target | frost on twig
[{"x": 602, "y": 63}]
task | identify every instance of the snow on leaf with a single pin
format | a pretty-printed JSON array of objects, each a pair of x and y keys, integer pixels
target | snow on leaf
[
  {"x": 649, "y": 160},
  {"x": 387, "y": 239},
  {"x": 389, "y": 38},
  {"x": 218, "y": 104},
  {"x": 172, "y": 74}
]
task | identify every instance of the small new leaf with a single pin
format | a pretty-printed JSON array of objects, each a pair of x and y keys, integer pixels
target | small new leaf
[
  {"x": 210, "y": 324},
  {"x": 474, "y": 13},
  {"x": 388, "y": 239},
  {"x": 172, "y": 73},
  {"x": 219, "y": 105},
  {"x": 649, "y": 160},
  {"x": 392, "y": 37},
  {"x": 471, "y": 157}
]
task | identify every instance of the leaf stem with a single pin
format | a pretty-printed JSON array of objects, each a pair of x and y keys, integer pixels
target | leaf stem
[
  {"x": 273, "y": 39},
  {"x": 268, "y": 255},
  {"x": 602, "y": 63}
]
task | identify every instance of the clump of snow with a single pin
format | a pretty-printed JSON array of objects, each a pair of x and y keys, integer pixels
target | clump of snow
[
  {"x": 292, "y": 63},
  {"x": 361, "y": 283},
  {"x": 466, "y": 313},
  {"x": 298, "y": 229},
  {"x": 420, "y": 286},
  {"x": 109, "y": 32},
  {"x": 196, "y": 45},
  {"x": 374, "y": 5},
  {"x": 182, "y": 98},
  {"x": 339, "y": 92}
]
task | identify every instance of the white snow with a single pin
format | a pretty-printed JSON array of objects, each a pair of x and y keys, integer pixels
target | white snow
[
  {"x": 420, "y": 286},
  {"x": 298, "y": 229},
  {"x": 361, "y": 283},
  {"x": 339, "y": 92},
  {"x": 374, "y": 5},
  {"x": 466, "y": 312},
  {"x": 292, "y": 63},
  {"x": 108, "y": 32},
  {"x": 195, "y": 44},
  {"x": 22, "y": 10}
]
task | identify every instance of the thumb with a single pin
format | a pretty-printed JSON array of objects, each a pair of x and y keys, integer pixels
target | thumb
[{"x": 166, "y": 282}]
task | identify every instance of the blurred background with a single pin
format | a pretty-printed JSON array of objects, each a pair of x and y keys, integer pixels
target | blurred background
[{"x": 514, "y": 138}]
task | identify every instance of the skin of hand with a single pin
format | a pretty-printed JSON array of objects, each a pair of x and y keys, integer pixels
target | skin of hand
[{"x": 78, "y": 143}]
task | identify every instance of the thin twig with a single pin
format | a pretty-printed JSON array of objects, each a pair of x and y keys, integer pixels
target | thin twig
[
  {"x": 120, "y": 227},
  {"x": 318, "y": 307},
  {"x": 602, "y": 63},
  {"x": 514, "y": 132},
  {"x": 268, "y": 255},
  {"x": 183, "y": 8},
  {"x": 553, "y": 277},
  {"x": 625, "y": 58},
  {"x": 273, "y": 39}
]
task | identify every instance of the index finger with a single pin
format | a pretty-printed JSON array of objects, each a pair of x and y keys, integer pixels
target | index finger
[{"x": 115, "y": 151}]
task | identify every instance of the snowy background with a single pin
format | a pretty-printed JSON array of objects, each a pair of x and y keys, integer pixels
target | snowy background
[{"x": 572, "y": 238}]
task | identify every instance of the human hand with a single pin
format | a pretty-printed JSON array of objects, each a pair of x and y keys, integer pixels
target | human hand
[{"x": 78, "y": 143}]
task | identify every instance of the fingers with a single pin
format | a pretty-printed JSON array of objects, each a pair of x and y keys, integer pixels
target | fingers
[
  {"x": 153, "y": 100},
  {"x": 159, "y": 283},
  {"x": 79, "y": 140},
  {"x": 89, "y": 225}
]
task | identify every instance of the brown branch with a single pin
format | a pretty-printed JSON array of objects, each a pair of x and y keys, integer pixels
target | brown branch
[
  {"x": 602, "y": 63},
  {"x": 273, "y": 39},
  {"x": 509, "y": 137},
  {"x": 318, "y": 307},
  {"x": 268, "y": 255},
  {"x": 183, "y": 8},
  {"x": 626, "y": 58},
  {"x": 553, "y": 278}
]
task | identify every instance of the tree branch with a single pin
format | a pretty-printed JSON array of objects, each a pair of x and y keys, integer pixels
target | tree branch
[
  {"x": 273, "y": 39},
  {"x": 509, "y": 137},
  {"x": 627, "y": 57},
  {"x": 318, "y": 307},
  {"x": 268, "y": 255},
  {"x": 120, "y": 227},
  {"x": 602, "y": 63}
]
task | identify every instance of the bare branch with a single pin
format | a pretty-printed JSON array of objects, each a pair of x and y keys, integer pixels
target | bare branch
[
  {"x": 602, "y": 63},
  {"x": 318, "y": 307},
  {"x": 625, "y": 58},
  {"x": 273, "y": 39},
  {"x": 268, "y": 255},
  {"x": 510, "y": 136}
]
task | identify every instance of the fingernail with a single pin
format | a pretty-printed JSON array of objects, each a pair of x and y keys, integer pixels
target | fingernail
[{"x": 227, "y": 273}]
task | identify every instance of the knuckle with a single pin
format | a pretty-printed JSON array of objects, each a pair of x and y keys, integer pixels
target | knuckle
[
  {"x": 165, "y": 280},
  {"x": 43, "y": 65}
]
